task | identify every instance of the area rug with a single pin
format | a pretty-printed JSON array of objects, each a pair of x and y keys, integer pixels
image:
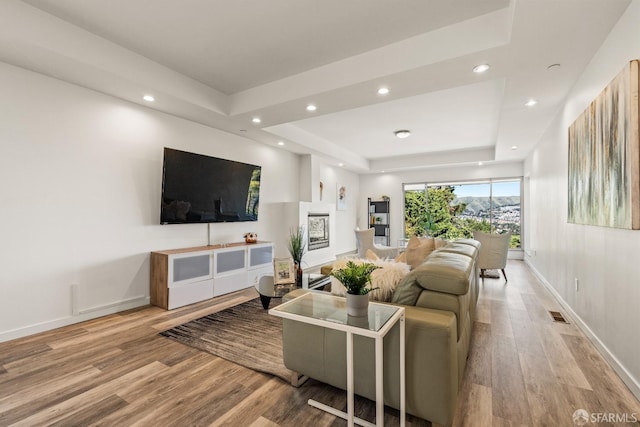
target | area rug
[{"x": 245, "y": 334}]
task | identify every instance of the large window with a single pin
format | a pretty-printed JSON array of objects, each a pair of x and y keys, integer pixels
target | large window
[{"x": 455, "y": 210}]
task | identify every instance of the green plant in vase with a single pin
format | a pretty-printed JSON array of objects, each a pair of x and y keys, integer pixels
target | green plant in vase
[
  {"x": 355, "y": 278},
  {"x": 297, "y": 246}
]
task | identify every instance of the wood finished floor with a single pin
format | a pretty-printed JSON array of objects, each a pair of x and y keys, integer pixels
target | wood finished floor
[{"x": 523, "y": 369}]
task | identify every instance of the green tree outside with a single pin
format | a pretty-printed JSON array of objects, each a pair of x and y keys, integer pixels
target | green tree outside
[{"x": 439, "y": 217}]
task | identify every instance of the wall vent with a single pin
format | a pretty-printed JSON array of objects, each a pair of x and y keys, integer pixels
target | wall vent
[{"x": 557, "y": 316}]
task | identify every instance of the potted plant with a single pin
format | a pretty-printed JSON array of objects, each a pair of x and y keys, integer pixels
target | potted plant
[
  {"x": 355, "y": 278},
  {"x": 297, "y": 246}
]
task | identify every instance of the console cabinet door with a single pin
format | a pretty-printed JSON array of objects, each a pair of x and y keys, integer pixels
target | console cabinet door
[
  {"x": 229, "y": 261},
  {"x": 189, "y": 267},
  {"x": 260, "y": 255}
]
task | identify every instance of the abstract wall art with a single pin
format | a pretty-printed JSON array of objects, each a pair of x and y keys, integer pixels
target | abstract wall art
[{"x": 604, "y": 157}]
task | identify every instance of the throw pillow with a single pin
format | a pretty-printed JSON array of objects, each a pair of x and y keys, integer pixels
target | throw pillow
[
  {"x": 371, "y": 256},
  {"x": 439, "y": 243},
  {"x": 418, "y": 249}
]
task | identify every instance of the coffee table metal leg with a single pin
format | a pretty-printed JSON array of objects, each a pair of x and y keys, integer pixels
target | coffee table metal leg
[{"x": 265, "y": 301}]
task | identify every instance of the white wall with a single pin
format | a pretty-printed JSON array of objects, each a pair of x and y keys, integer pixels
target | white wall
[
  {"x": 332, "y": 176},
  {"x": 391, "y": 184},
  {"x": 604, "y": 260},
  {"x": 81, "y": 180}
]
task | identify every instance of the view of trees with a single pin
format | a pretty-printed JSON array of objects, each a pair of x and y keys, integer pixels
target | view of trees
[{"x": 447, "y": 217}]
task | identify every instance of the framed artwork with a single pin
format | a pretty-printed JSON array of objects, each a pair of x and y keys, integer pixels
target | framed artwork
[
  {"x": 341, "y": 197},
  {"x": 604, "y": 157},
  {"x": 283, "y": 271}
]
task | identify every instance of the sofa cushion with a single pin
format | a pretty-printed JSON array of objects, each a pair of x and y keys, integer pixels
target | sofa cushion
[
  {"x": 460, "y": 248},
  {"x": 418, "y": 249},
  {"x": 445, "y": 272},
  {"x": 407, "y": 291},
  {"x": 470, "y": 242}
]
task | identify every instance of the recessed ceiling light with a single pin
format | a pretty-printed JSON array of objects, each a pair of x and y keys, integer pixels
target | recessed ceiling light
[
  {"x": 480, "y": 163},
  {"x": 402, "y": 133},
  {"x": 514, "y": 147},
  {"x": 531, "y": 103},
  {"x": 256, "y": 120},
  {"x": 311, "y": 107},
  {"x": 383, "y": 91},
  {"x": 280, "y": 143},
  {"x": 148, "y": 98},
  {"x": 341, "y": 164},
  {"x": 481, "y": 68}
]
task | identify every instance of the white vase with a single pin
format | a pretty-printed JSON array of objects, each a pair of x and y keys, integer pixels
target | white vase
[{"x": 357, "y": 305}]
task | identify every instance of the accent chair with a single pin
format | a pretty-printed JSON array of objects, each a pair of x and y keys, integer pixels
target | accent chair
[
  {"x": 493, "y": 251},
  {"x": 365, "y": 241}
]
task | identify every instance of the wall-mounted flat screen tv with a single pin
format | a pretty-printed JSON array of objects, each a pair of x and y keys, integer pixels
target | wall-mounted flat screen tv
[{"x": 203, "y": 189}]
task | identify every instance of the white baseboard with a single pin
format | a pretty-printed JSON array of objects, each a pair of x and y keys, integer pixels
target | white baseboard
[
  {"x": 622, "y": 372},
  {"x": 86, "y": 314}
]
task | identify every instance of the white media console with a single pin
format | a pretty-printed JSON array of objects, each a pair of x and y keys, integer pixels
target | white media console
[{"x": 184, "y": 276}]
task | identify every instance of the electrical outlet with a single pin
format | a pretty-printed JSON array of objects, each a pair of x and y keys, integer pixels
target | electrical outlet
[{"x": 575, "y": 280}]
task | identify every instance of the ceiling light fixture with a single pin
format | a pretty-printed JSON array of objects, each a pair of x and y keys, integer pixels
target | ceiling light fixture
[
  {"x": 148, "y": 98},
  {"x": 514, "y": 147},
  {"x": 256, "y": 120},
  {"x": 311, "y": 107},
  {"x": 383, "y": 91},
  {"x": 531, "y": 103},
  {"x": 402, "y": 134},
  {"x": 480, "y": 163},
  {"x": 481, "y": 68},
  {"x": 280, "y": 143},
  {"x": 341, "y": 164}
]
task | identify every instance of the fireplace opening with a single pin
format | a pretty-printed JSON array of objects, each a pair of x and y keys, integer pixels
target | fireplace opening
[{"x": 318, "y": 231}]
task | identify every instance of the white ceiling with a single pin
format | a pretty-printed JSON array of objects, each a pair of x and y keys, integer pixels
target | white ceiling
[{"x": 221, "y": 63}]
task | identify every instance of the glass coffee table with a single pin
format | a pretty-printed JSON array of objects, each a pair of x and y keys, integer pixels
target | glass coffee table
[{"x": 267, "y": 289}]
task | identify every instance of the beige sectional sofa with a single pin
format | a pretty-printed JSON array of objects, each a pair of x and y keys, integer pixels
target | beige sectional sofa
[{"x": 439, "y": 297}]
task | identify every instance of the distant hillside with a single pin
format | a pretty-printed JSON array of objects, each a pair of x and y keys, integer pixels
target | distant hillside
[{"x": 478, "y": 204}]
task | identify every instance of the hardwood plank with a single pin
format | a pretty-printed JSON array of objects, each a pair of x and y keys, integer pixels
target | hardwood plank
[
  {"x": 524, "y": 332},
  {"x": 508, "y": 392},
  {"x": 478, "y": 369},
  {"x": 562, "y": 362},
  {"x": 160, "y": 390},
  {"x": 77, "y": 403},
  {"x": 42, "y": 389},
  {"x": 263, "y": 422},
  {"x": 92, "y": 412},
  {"x": 475, "y": 407},
  {"x": 501, "y": 324},
  {"x": 483, "y": 312},
  {"x": 612, "y": 393}
]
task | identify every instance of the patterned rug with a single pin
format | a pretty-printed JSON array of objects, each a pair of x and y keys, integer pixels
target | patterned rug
[{"x": 245, "y": 334}]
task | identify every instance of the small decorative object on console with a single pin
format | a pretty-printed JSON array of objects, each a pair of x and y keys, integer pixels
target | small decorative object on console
[{"x": 251, "y": 237}]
